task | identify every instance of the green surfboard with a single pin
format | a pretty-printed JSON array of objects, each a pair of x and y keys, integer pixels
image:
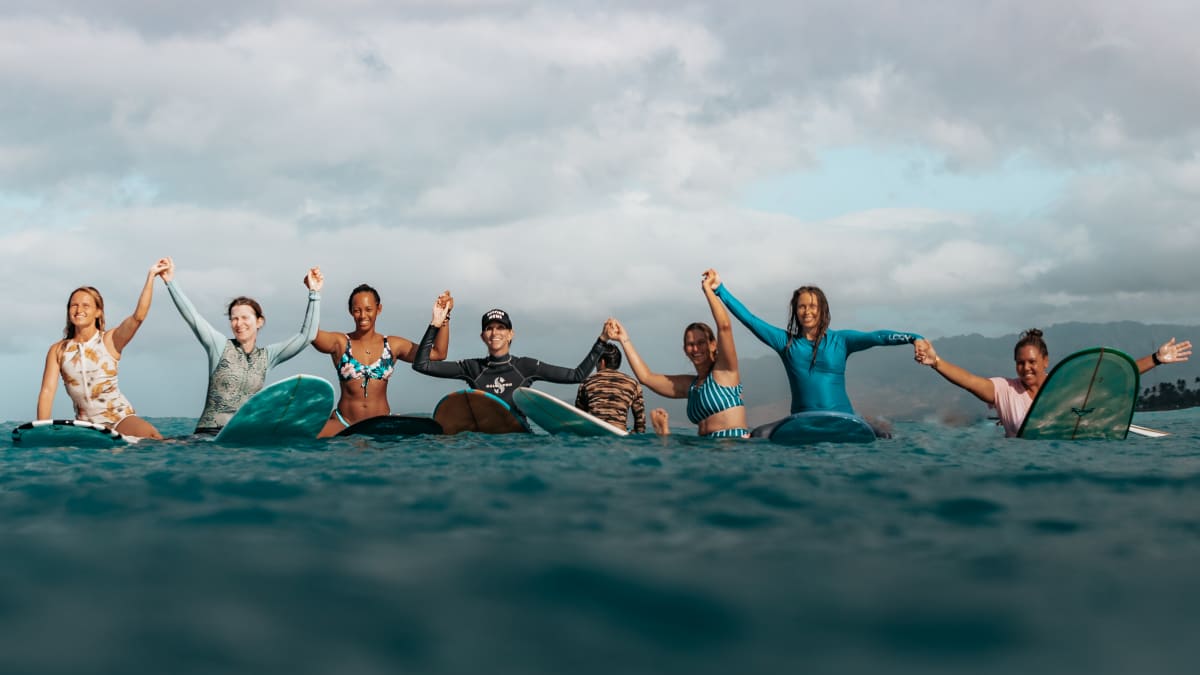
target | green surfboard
[
  {"x": 292, "y": 409},
  {"x": 817, "y": 426},
  {"x": 1088, "y": 395},
  {"x": 67, "y": 434}
]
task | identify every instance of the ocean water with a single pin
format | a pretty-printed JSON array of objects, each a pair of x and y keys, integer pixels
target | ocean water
[{"x": 942, "y": 550}]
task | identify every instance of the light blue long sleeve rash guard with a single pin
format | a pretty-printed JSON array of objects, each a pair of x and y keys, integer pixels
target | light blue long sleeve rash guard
[
  {"x": 820, "y": 385},
  {"x": 233, "y": 375}
]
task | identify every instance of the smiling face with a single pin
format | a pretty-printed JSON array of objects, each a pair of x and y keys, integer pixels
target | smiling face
[
  {"x": 497, "y": 337},
  {"x": 244, "y": 323},
  {"x": 1031, "y": 366},
  {"x": 84, "y": 310},
  {"x": 365, "y": 310},
  {"x": 699, "y": 348},
  {"x": 808, "y": 312}
]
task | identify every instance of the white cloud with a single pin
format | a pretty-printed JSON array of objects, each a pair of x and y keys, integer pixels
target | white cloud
[{"x": 567, "y": 161}]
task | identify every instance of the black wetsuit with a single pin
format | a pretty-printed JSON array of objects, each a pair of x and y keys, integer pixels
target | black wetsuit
[{"x": 502, "y": 375}]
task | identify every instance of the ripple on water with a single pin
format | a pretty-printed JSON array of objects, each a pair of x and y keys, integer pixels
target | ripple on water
[{"x": 968, "y": 511}]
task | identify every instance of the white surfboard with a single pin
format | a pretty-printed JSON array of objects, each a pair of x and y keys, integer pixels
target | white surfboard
[
  {"x": 292, "y": 409},
  {"x": 559, "y": 417},
  {"x": 67, "y": 434}
]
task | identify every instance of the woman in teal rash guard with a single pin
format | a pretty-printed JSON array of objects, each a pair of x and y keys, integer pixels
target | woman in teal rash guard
[
  {"x": 237, "y": 366},
  {"x": 813, "y": 356}
]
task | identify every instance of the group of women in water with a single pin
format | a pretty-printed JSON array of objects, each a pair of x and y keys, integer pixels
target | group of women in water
[{"x": 814, "y": 357}]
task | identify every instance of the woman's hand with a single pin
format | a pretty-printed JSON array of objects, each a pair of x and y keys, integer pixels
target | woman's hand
[
  {"x": 1173, "y": 352},
  {"x": 162, "y": 267},
  {"x": 710, "y": 280},
  {"x": 441, "y": 309},
  {"x": 167, "y": 271},
  {"x": 660, "y": 420},
  {"x": 924, "y": 354},
  {"x": 314, "y": 280},
  {"x": 615, "y": 331}
]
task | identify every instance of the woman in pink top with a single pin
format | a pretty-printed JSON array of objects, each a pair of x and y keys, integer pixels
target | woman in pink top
[{"x": 1012, "y": 397}]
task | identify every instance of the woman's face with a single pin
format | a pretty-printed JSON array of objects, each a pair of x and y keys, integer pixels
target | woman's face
[
  {"x": 808, "y": 311},
  {"x": 697, "y": 347},
  {"x": 364, "y": 310},
  {"x": 244, "y": 323},
  {"x": 82, "y": 311},
  {"x": 1031, "y": 366},
  {"x": 497, "y": 337}
]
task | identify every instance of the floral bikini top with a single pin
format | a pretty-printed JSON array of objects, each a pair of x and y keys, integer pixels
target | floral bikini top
[{"x": 350, "y": 368}]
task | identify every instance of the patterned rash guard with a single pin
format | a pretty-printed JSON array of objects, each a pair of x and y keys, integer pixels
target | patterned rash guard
[
  {"x": 233, "y": 374},
  {"x": 612, "y": 395},
  {"x": 501, "y": 376},
  {"x": 819, "y": 386}
]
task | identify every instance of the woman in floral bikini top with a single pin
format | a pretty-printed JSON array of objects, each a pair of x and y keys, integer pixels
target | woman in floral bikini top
[{"x": 364, "y": 383}]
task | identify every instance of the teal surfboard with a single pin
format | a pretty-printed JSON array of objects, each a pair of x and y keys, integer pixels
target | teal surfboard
[
  {"x": 478, "y": 411},
  {"x": 1088, "y": 395},
  {"x": 393, "y": 425},
  {"x": 559, "y": 417},
  {"x": 816, "y": 426},
  {"x": 67, "y": 434},
  {"x": 292, "y": 409}
]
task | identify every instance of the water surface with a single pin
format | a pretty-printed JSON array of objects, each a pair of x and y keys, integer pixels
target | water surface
[{"x": 943, "y": 550}]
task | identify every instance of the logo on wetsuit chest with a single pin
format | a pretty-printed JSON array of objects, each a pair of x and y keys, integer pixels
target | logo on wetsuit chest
[{"x": 498, "y": 386}]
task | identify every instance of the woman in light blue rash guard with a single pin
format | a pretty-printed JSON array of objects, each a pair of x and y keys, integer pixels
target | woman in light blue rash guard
[
  {"x": 813, "y": 356},
  {"x": 237, "y": 367}
]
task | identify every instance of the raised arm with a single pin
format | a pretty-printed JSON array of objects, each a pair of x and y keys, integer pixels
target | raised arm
[
  {"x": 422, "y": 363},
  {"x": 124, "y": 332},
  {"x": 727, "y": 361},
  {"x": 856, "y": 341},
  {"x": 45, "y": 401},
  {"x": 981, "y": 387},
  {"x": 210, "y": 338},
  {"x": 551, "y": 373},
  {"x": 279, "y": 352},
  {"x": 406, "y": 350},
  {"x": 774, "y": 337},
  {"x": 671, "y": 386},
  {"x": 1169, "y": 352}
]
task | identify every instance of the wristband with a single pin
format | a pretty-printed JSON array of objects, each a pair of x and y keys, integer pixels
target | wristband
[{"x": 1157, "y": 361}]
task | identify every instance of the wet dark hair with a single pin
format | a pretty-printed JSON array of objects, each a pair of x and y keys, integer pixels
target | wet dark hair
[
  {"x": 611, "y": 356},
  {"x": 69, "y": 331},
  {"x": 249, "y": 302},
  {"x": 1031, "y": 337},
  {"x": 362, "y": 288},
  {"x": 824, "y": 316}
]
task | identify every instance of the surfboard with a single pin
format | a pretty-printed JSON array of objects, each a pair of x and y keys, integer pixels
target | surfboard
[
  {"x": 67, "y": 434},
  {"x": 1088, "y": 395},
  {"x": 559, "y": 417},
  {"x": 817, "y": 426},
  {"x": 479, "y": 411},
  {"x": 393, "y": 425},
  {"x": 292, "y": 409}
]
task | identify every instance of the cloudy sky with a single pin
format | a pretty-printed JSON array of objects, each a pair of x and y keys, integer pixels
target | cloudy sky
[{"x": 941, "y": 167}]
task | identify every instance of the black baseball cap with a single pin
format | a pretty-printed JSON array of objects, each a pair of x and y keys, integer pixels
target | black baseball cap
[{"x": 496, "y": 316}]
